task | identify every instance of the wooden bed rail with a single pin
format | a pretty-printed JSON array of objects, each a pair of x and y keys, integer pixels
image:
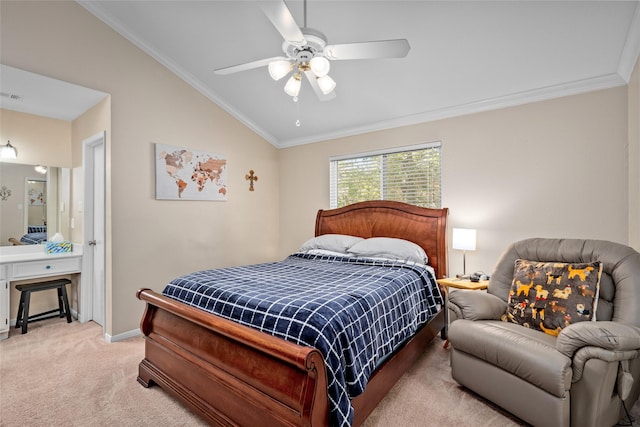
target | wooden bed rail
[
  {"x": 289, "y": 352},
  {"x": 274, "y": 381}
]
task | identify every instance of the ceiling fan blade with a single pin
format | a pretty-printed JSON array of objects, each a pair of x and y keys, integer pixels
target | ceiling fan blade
[
  {"x": 281, "y": 18},
  {"x": 398, "y": 48},
  {"x": 248, "y": 65},
  {"x": 314, "y": 84}
]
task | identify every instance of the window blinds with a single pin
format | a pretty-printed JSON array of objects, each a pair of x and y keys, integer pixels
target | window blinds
[{"x": 410, "y": 175}]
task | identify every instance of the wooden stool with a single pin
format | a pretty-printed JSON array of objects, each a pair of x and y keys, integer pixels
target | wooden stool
[{"x": 25, "y": 294}]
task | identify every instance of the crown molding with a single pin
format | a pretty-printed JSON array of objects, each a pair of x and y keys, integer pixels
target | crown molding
[
  {"x": 631, "y": 50},
  {"x": 511, "y": 100}
]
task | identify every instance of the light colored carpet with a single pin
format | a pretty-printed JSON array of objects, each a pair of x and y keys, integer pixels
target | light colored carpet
[{"x": 66, "y": 374}]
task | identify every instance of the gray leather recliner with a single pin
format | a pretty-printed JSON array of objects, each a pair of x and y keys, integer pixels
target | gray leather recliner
[{"x": 579, "y": 378}]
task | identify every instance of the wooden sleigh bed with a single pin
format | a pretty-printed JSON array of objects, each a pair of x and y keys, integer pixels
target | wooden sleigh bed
[{"x": 231, "y": 374}]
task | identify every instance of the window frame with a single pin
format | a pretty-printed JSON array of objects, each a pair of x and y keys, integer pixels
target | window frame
[{"x": 333, "y": 184}]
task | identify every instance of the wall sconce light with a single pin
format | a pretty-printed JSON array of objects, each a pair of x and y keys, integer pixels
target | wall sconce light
[
  {"x": 41, "y": 169},
  {"x": 8, "y": 152},
  {"x": 464, "y": 239}
]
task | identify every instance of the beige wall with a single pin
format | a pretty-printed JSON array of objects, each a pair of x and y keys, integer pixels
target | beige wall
[
  {"x": 556, "y": 168},
  {"x": 634, "y": 156},
  {"x": 151, "y": 241},
  {"x": 553, "y": 168},
  {"x": 39, "y": 140}
]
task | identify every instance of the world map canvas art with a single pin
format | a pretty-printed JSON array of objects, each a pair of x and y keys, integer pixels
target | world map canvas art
[{"x": 184, "y": 174}]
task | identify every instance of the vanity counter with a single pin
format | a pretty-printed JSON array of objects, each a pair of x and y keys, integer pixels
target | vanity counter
[
  {"x": 31, "y": 262},
  {"x": 22, "y": 253}
]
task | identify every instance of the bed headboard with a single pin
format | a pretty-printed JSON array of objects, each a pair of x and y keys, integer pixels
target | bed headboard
[{"x": 383, "y": 218}]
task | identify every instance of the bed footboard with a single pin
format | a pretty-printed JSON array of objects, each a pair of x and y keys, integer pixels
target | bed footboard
[{"x": 228, "y": 373}]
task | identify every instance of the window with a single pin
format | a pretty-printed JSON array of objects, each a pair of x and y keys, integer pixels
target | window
[{"x": 410, "y": 175}]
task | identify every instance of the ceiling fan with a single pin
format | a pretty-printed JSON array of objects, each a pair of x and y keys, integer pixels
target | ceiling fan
[{"x": 308, "y": 53}]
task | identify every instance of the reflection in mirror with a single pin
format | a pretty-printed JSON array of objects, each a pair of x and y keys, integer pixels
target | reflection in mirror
[
  {"x": 41, "y": 97},
  {"x": 38, "y": 205},
  {"x": 35, "y": 210}
]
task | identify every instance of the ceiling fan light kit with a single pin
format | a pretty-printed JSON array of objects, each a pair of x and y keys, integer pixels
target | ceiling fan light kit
[
  {"x": 304, "y": 59},
  {"x": 326, "y": 84},
  {"x": 279, "y": 69},
  {"x": 292, "y": 88},
  {"x": 320, "y": 66},
  {"x": 307, "y": 52}
]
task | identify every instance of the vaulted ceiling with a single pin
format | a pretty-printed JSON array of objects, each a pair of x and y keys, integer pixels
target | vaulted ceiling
[{"x": 466, "y": 56}]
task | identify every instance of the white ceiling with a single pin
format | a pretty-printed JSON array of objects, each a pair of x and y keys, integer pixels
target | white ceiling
[
  {"x": 465, "y": 57},
  {"x": 43, "y": 96}
]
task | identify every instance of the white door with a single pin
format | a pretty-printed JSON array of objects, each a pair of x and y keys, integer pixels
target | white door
[{"x": 93, "y": 280}]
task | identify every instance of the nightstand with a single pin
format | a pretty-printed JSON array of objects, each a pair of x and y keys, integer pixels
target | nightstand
[{"x": 454, "y": 282}]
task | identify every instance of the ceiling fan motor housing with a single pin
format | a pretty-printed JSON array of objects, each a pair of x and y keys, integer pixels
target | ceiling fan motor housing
[{"x": 316, "y": 42}]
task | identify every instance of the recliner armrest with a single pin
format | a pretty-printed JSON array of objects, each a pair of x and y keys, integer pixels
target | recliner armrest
[
  {"x": 476, "y": 305},
  {"x": 608, "y": 335},
  {"x": 605, "y": 340}
]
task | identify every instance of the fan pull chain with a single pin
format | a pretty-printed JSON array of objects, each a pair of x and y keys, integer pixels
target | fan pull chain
[{"x": 295, "y": 99}]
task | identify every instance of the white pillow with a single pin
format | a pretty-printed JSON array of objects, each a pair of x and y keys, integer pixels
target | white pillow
[
  {"x": 389, "y": 248},
  {"x": 325, "y": 252},
  {"x": 331, "y": 242}
]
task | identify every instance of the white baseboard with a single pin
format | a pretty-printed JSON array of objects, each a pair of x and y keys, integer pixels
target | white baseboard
[
  {"x": 108, "y": 338},
  {"x": 123, "y": 336}
]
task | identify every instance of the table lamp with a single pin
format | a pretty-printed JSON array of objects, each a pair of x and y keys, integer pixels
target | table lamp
[{"x": 464, "y": 239}]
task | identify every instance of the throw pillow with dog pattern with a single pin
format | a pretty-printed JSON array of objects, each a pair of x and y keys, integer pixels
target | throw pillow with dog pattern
[{"x": 549, "y": 296}]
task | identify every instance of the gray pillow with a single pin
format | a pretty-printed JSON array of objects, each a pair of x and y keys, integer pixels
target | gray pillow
[{"x": 389, "y": 248}]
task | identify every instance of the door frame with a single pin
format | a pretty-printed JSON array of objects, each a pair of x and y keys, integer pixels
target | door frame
[{"x": 87, "y": 282}]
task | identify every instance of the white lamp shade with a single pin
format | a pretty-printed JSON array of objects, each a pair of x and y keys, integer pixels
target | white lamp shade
[
  {"x": 464, "y": 239},
  {"x": 279, "y": 69},
  {"x": 319, "y": 65},
  {"x": 326, "y": 84},
  {"x": 8, "y": 152},
  {"x": 292, "y": 88}
]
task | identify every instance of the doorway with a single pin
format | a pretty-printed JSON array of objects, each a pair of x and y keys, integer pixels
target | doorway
[{"x": 93, "y": 294}]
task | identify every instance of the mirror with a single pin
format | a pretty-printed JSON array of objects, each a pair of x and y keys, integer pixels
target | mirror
[
  {"x": 38, "y": 96},
  {"x": 37, "y": 206}
]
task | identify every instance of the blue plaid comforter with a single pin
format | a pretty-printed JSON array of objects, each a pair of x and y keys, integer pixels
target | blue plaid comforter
[{"x": 354, "y": 311}]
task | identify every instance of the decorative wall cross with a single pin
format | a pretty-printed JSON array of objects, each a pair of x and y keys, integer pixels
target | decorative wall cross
[{"x": 251, "y": 178}]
